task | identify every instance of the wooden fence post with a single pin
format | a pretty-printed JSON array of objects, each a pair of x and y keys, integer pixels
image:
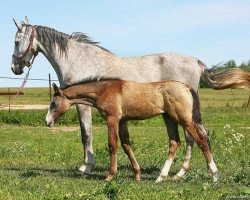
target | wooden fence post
[
  {"x": 9, "y": 98},
  {"x": 49, "y": 88}
]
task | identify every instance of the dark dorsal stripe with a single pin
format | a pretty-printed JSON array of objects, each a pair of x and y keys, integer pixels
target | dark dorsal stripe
[{"x": 93, "y": 80}]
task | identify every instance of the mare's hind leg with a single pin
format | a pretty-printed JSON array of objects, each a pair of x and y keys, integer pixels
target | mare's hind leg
[
  {"x": 188, "y": 155},
  {"x": 174, "y": 143},
  {"x": 124, "y": 137}
]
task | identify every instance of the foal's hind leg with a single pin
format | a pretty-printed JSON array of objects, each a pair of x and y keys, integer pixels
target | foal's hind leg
[
  {"x": 124, "y": 137},
  {"x": 198, "y": 132},
  {"x": 174, "y": 143},
  {"x": 189, "y": 148}
]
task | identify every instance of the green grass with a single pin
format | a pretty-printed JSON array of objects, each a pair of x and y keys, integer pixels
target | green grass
[
  {"x": 208, "y": 97},
  {"x": 31, "y": 96},
  {"x": 41, "y": 163}
]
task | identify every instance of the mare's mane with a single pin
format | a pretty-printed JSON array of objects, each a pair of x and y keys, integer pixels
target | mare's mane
[{"x": 50, "y": 37}]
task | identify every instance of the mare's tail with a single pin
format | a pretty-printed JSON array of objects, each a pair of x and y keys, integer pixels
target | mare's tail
[{"x": 230, "y": 78}]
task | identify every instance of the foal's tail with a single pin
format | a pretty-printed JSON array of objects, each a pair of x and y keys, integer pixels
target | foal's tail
[
  {"x": 196, "y": 107},
  {"x": 230, "y": 78}
]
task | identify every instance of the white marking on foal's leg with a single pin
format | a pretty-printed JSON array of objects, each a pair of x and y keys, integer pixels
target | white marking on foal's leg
[
  {"x": 214, "y": 170},
  {"x": 165, "y": 170},
  {"x": 186, "y": 163}
]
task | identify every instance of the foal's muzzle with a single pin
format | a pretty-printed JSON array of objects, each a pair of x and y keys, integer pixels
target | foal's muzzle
[{"x": 49, "y": 124}]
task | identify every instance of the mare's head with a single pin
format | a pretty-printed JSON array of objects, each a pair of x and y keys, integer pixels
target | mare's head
[
  {"x": 58, "y": 106},
  {"x": 23, "y": 52}
]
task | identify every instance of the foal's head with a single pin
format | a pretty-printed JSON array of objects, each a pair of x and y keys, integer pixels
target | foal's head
[{"x": 58, "y": 106}]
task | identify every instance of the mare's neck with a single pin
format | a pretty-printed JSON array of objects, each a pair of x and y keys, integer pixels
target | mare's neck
[{"x": 79, "y": 60}]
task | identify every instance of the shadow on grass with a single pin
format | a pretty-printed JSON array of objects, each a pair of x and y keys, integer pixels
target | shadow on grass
[
  {"x": 37, "y": 171},
  {"x": 99, "y": 172}
]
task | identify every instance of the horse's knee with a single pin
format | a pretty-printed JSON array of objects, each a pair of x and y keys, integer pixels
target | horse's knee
[{"x": 173, "y": 147}]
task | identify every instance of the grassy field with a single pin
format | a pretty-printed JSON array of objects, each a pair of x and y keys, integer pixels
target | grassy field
[
  {"x": 41, "y": 163},
  {"x": 208, "y": 97}
]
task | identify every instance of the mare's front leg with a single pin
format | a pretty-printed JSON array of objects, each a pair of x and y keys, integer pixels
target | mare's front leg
[
  {"x": 112, "y": 144},
  {"x": 174, "y": 143},
  {"x": 85, "y": 119},
  {"x": 125, "y": 142}
]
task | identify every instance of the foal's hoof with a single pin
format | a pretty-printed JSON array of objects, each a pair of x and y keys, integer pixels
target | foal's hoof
[
  {"x": 109, "y": 178},
  {"x": 176, "y": 178},
  {"x": 160, "y": 179},
  {"x": 138, "y": 177},
  {"x": 215, "y": 178},
  {"x": 86, "y": 169}
]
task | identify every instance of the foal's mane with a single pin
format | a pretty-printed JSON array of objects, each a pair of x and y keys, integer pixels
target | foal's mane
[
  {"x": 50, "y": 37},
  {"x": 93, "y": 80}
]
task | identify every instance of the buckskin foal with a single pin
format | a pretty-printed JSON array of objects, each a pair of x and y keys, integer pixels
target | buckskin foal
[{"x": 119, "y": 101}]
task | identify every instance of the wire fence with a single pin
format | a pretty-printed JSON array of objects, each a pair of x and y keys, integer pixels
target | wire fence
[{"x": 28, "y": 96}]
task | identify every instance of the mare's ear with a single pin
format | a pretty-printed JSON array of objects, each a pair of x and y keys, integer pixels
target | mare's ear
[
  {"x": 56, "y": 89},
  {"x": 26, "y": 20},
  {"x": 19, "y": 26}
]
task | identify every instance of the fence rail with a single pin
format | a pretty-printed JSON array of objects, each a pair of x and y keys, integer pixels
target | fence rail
[
  {"x": 31, "y": 79},
  {"x": 31, "y": 95}
]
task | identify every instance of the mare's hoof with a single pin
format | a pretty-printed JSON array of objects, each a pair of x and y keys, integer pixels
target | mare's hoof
[{"x": 86, "y": 169}]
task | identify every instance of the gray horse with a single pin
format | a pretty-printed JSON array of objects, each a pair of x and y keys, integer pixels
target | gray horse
[{"x": 76, "y": 57}]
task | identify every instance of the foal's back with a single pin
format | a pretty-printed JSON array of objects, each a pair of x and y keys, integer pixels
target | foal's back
[{"x": 146, "y": 100}]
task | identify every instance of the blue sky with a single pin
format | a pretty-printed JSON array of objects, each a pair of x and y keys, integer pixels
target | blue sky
[{"x": 212, "y": 31}]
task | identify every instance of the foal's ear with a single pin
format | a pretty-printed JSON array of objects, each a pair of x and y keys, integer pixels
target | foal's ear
[{"x": 56, "y": 89}]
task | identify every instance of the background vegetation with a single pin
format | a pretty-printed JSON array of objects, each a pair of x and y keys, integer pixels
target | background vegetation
[{"x": 41, "y": 163}]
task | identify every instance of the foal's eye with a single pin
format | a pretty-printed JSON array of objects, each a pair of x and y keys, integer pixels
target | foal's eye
[
  {"x": 53, "y": 104},
  {"x": 17, "y": 43}
]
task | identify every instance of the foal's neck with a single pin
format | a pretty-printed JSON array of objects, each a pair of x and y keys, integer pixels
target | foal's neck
[{"x": 85, "y": 91}]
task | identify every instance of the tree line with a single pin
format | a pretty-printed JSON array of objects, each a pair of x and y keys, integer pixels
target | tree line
[{"x": 230, "y": 64}]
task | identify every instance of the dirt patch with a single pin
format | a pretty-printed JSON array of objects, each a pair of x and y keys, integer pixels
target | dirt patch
[
  {"x": 65, "y": 129},
  {"x": 26, "y": 107}
]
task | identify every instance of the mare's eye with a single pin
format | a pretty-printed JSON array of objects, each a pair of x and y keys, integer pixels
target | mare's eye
[{"x": 17, "y": 43}]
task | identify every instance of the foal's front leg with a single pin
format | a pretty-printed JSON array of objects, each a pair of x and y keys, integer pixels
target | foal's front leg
[
  {"x": 124, "y": 137},
  {"x": 112, "y": 143},
  {"x": 174, "y": 143}
]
